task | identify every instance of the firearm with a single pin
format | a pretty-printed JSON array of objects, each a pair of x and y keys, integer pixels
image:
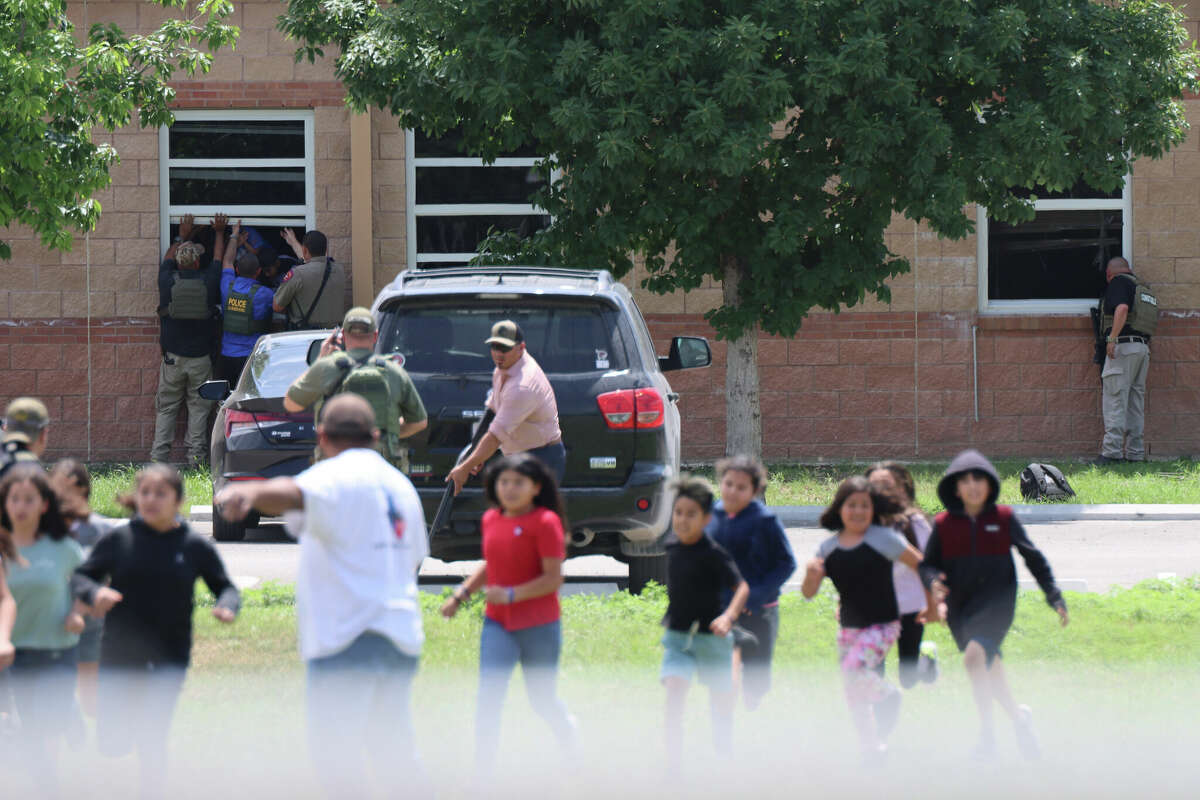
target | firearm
[
  {"x": 1101, "y": 346},
  {"x": 443, "y": 510}
]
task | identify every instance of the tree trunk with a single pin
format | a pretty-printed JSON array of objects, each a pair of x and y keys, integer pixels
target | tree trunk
[{"x": 743, "y": 416}]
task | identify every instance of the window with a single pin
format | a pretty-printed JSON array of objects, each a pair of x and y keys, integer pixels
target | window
[
  {"x": 255, "y": 166},
  {"x": 1055, "y": 262},
  {"x": 454, "y": 201}
]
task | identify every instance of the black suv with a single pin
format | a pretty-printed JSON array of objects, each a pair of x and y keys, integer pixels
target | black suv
[{"x": 618, "y": 416}]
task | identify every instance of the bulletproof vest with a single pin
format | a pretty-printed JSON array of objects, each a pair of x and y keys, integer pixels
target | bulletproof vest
[
  {"x": 13, "y": 453},
  {"x": 1143, "y": 314},
  {"x": 369, "y": 380},
  {"x": 189, "y": 299},
  {"x": 239, "y": 312}
]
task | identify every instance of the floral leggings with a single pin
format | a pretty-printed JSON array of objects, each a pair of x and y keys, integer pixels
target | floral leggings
[{"x": 860, "y": 652}]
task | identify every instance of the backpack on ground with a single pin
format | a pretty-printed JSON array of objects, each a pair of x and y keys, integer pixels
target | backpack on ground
[
  {"x": 1044, "y": 482},
  {"x": 189, "y": 299}
]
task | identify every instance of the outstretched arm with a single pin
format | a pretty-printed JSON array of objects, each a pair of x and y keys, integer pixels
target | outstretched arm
[
  {"x": 1036, "y": 561},
  {"x": 271, "y": 497}
]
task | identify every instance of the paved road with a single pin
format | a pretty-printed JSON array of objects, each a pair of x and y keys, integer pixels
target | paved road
[{"x": 1085, "y": 555}]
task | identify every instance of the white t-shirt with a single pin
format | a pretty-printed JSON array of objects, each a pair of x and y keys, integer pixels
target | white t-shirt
[
  {"x": 362, "y": 540},
  {"x": 910, "y": 593}
]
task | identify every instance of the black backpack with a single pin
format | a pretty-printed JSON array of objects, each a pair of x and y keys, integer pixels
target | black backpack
[{"x": 1044, "y": 482}]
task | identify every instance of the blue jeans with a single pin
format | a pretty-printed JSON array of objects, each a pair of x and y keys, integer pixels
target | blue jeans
[
  {"x": 358, "y": 705},
  {"x": 553, "y": 456},
  {"x": 500, "y": 650},
  {"x": 43, "y": 694}
]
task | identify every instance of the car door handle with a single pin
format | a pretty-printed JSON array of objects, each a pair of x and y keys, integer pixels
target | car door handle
[{"x": 673, "y": 397}]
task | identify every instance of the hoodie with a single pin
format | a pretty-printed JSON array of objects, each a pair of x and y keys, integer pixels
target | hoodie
[{"x": 759, "y": 546}]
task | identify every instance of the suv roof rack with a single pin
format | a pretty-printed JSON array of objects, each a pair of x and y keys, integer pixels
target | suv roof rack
[{"x": 601, "y": 276}]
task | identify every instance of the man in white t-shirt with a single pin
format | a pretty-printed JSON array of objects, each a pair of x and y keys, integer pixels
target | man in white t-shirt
[{"x": 362, "y": 540}]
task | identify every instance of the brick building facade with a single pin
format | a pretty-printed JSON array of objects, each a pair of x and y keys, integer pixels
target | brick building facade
[{"x": 951, "y": 361}]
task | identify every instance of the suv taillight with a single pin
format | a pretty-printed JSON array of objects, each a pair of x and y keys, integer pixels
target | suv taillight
[
  {"x": 628, "y": 409},
  {"x": 237, "y": 420}
]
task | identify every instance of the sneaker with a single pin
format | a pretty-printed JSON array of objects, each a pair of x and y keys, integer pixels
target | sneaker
[
  {"x": 927, "y": 662},
  {"x": 887, "y": 714},
  {"x": 1027, "y": 741}
]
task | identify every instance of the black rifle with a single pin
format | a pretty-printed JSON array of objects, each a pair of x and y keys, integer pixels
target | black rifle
[
  {"x": 1101, "y": 345},
  {"x": 443, "y": 510}
]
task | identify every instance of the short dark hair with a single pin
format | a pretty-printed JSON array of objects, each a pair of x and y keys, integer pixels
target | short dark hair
[
  {"x": 75, "y": 470},
  {"x": 749, "y": 465},
  {"x": 246, "y": 265},
  {"x": 52, "y": 522},
  {"x": 883, "y": 507},
  {"x": 315, "y": 243},
  {"x": 348, "y": 420},
  {"x": 535, "y": 469},
  {"x": 267, "y": 256},
  {"x": 695, "y": 489}
]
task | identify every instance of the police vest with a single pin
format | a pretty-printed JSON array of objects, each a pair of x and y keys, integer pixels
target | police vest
[
  {"x": 189, "y": 299},
  {"x": 239, "y": 312},
  {"x": 1143, "y": 314},
  {"x": 369, "y": 380}
]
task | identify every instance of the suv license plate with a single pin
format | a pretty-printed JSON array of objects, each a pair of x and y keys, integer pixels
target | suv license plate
[{"x": 602, "y": 462}]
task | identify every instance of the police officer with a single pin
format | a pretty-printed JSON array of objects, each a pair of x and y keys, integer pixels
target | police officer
[
  {"x": 379, "y": 379},
  {"x": 1128, "y": 322},
  {"x": 26, "y": 431},
  {"x": 313, "y": 293}
]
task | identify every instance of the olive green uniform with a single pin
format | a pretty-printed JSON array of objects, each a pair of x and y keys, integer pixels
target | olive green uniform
[
  {"x": 299, "y": 287},
  {"x": 313, "y": 387}
]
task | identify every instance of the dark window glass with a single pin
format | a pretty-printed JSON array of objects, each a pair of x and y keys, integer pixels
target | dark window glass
[
  {"x": 1060, "y": 255},
  {"x": 449, "y": 145},
  {"x": 237, "y": 139},
  {"x": 274, "y": 365},
  {"x": 237, "y": 186},
  {"x": 463, "y": 234},
  {"x": 1080, "y": 191},
  {"x": 477, "y": 184},
  {"x": 563, "y": 337}
]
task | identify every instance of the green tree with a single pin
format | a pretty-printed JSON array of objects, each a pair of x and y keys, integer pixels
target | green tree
[
  {"x": 768, "y": 143},
  {"x": 56, "y": 89}
]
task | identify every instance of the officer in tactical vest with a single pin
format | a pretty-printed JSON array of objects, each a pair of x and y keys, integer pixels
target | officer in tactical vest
[
  {"x": 1129, "y": 318},
  {"x": 188, "y": 304},
  {"x": 377, "y": 378},
  {"x": 26, "y": 431},
  {"x": 245, "y": 305}
]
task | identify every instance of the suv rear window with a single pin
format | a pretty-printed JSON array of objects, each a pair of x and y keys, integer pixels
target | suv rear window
[
  {"x": 563, "y": 336},
  {"x": 274, "y": 365}
]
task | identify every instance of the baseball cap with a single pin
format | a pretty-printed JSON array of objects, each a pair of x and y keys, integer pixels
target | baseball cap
[
  {"x": 359, "y": 320},
  {"x": 188, "y": 253},
  {"x": 507, "y": 333},
  {"x": 24, "y": 419}
]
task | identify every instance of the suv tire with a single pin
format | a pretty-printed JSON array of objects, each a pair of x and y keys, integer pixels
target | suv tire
[
  {"x": 643, "y": 569},
  {"x": 225, "y": 531}
]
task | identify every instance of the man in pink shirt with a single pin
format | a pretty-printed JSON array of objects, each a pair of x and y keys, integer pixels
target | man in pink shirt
[{"x": 526, "y": 412}]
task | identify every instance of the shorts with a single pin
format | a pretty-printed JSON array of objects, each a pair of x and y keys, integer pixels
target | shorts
[
  {"x": 89, "y": 641},
  {"x": 708, "y": 656}
]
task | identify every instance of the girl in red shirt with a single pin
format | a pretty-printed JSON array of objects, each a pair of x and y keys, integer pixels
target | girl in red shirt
[{"x": 523, "y": 552}]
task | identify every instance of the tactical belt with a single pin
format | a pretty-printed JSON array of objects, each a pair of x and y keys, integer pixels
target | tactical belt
[{"x": 1128, "y": 339}]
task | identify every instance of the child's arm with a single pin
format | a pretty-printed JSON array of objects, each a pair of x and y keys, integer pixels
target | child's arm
[
  {"x": 544, "y": 584},
  {"x": 74, "y": 623},
  {"x": 814, "y": 573},
  {"x": 212, "y": 570},
  {"x": 8, "y": 616},
  {"x": 784, "y": 563},
  {"x": 1036, "y": 561},
  {"x": 87, "y": 583},
  {"x": 723, "y": 624},
  {"x": 931, "y": 569},
  {"x": 463, "y": 593}
]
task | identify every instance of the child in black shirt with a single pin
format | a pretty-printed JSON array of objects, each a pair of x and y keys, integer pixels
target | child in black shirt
[
  {"x": 698, "y": 639},
  {"x": 859, "y": 558}
]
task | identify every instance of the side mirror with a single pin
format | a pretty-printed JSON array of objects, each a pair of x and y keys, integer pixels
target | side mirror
[
  {"x": 216, "y": 391},
  {"x": 687, "y": 352},
  {"x": 314, "y": 350}
]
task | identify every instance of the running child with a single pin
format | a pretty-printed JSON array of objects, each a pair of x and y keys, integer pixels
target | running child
[
  {"x": 698, "y": 639},
  {"x": 151, "y": 564},
  {"x": 969, "y": 564},
  {"x": 750, "y": 533},
  {"x": 859, "y": 558},
  {"x": 47, "y": 627},
  {"x": 917, "y": 661},
  {"x": 523, "y": 552},
  {"x": 72, "y": 484}
]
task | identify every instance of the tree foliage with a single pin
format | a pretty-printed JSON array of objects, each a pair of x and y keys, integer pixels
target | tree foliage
[
  {"x": 784, "y": 134},
  {"x": 56, "y": 88}
]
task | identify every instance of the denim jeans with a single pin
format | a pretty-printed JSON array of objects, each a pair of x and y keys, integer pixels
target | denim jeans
[
  {"x": 358, "y": 707},
  {"x": 500, "y": 650},
  {"x": 553, "y": 456}
]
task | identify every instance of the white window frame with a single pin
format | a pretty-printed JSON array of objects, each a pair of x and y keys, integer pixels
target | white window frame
[
  {"x": 1124, "y": 204},
  {"x": 415, "y": 259},
  {"x": 281, "y": 215}
]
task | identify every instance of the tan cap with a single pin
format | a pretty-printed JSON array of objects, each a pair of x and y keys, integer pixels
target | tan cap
[
  {"x": 359, "y": 320},
  {"x": 507, "y": 333},
  {"x": 188, "y": 254},
  {"x": 24, "y": 419}
]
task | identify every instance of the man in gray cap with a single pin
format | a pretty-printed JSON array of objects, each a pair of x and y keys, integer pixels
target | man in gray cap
[
  {"x": 26, "y": 431},
  {"x": 348, "y": 363},
  {"x": 526, "y": 411}
]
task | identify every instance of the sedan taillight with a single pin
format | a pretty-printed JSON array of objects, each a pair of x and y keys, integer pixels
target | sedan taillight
[
  {"x": 629, "y": 409},
  {"x": 239, "y": 420}
]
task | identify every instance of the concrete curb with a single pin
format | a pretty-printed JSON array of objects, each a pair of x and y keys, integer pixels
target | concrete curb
[{"x": 806, "y": 516}]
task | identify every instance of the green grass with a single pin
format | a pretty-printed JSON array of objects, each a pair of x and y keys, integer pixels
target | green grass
[
  {"x": 1149, "y": 482},
  {"x": 111, "y": 480}
]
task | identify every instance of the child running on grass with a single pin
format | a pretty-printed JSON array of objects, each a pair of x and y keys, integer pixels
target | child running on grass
[
  {"x": 152, "y": 564},
  {"x": 47, "y": 626},
  {"x": 969, "y": 563},
  {"x": 523, "y": 552},
  {"x": 858, "y": 558},
  {"x": 698, "y": 639},
  {"x": 750, "y": 533},
  {"x": 917, "y": 661}
]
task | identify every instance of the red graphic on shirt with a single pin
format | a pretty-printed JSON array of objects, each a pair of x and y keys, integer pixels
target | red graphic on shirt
[
  {"x": 398, "y": 527},
  {"x": 287, "y": 277}
]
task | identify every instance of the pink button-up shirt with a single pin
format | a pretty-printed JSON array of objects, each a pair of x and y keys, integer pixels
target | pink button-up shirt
[{"x": 526, "y": 411}]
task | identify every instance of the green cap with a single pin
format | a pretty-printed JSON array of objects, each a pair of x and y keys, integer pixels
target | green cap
[
  {"x": 359, "y": 320},
  {"x": 507, "y": 333},
  {"x": 24, "y": 419}
]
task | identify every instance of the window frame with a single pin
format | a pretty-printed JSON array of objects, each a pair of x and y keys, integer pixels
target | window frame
[
  {"x": 989, "y": 307},
  {"x": 412, "y": 161},
  {"x": 279, "y": 215}
]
